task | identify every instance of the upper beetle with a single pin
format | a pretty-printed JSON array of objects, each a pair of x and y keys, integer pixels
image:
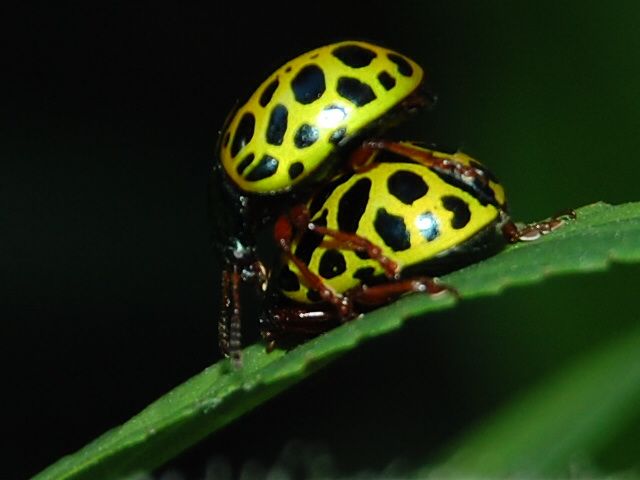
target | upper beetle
[{"x": 291, "y": 125}]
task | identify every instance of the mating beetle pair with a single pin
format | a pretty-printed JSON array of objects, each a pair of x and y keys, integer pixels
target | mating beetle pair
[{"x": 358, "y": 220}]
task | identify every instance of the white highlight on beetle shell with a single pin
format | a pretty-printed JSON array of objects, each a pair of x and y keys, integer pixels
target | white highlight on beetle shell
[
  {"x": 428, "y": 225},
  {"x": 332, "y": 116}
]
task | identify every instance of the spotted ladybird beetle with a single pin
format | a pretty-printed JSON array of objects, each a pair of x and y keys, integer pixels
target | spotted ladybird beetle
[
  {"x": 367, "y": 237},
  {"x": 293, "y": 133}
]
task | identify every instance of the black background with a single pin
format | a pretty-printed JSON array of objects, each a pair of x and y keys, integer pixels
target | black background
[{"x": 110, "y": 289}]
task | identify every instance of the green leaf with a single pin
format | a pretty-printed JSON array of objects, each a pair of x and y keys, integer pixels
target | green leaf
[
  {"x": 567, "y": 418},
  {"x": 210, "y": 400}
]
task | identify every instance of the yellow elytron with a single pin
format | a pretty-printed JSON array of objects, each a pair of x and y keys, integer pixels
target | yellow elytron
[
  {"x": 289, "y": 128},
  {"x": 424, "y": 221}
]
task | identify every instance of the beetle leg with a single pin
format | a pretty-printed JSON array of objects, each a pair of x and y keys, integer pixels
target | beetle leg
[
  {"x": 363, "y": 158},
  {"x": 373, "y": 296},
  {"x": 533, "y": 231},
  {"x": 223, "y": 321},
  {"x": 349, "y": 241},
  {"x": 235, "y": 332},
  {"x": 230, "y": 321},
  {"x": 283, "y": 232},
  {"x": 229, "y": 324},
  {"x": 285, "y": 326}
]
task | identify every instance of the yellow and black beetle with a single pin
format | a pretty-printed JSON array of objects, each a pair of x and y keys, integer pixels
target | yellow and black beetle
[{"x": 369, "y": 236}]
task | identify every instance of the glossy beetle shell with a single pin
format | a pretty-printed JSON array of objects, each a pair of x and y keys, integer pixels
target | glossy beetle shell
[
  {"x": 412, "y": 212},
  {"x": 294, "y": 120}
]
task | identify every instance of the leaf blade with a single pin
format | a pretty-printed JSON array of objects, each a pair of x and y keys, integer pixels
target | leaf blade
[
  {"x": 567, "y": 417},
  {"x": 218, "y": 395}
]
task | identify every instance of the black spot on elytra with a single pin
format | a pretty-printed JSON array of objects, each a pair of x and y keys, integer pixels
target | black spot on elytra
[
  {"x": 306, "y": 136},
  {"x": 364, "y": 274},
  {"x": 266, "y": 167},
  {"x": 268, "y": 92},
  {"x": 352, "y": 205},
  {"x": 427, "y": 223},
  {"x": 338, "y": 135},
  {"x": 308, "y": 85},
  {"x": 244, "y": 133},
  {"x": 355, "y": 91},
  {"x": 277, "y": 125},
  {"x": 332, "y": 264},
  {"x": 225, "y": 140},
  {"x": 310, "y": 240},
  {"x": 460, "y": 209},
  {"x": 295, "y": 170},
  {"x": 392, "y": 230},
  {"x": 313, "y": 296},
  {"x": 354, "y": 56},
  {"x": 404, "y": 67},
  {"x": 363, "y": 254},
  {"x": 321, "y": 195},
  {"x": 407, "y": 186},
  {"x": 246, "y": 161},
  {"x": 386, "y": 80},
  {"x": 288, "y": 281}
]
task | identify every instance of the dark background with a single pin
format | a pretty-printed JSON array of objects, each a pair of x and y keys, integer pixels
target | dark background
[{"x": 110, "y": 284}]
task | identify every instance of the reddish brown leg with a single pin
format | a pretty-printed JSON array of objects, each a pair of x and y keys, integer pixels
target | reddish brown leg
[
  {"x": 283, "y": 232},
  {"x": 288, "y": 325},
  {"x": 229, "y": 325},
  {"x": 533, "y": 231},
  {"x": 300, "y": 218},
  {"x": 385, "y": 293},
  {"x": 223, "y": 321},
  {"x": 235, "y": 332},
  {"x": 362, "y": 159}
]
